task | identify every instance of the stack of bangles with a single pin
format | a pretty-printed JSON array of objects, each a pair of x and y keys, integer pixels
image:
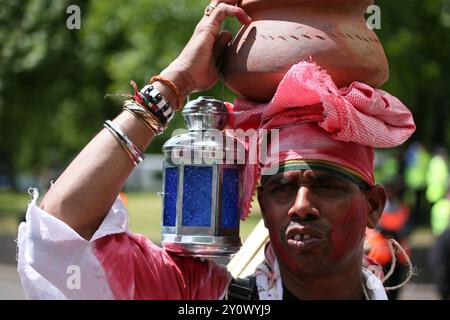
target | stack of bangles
[{"x": 152, "y": 109}]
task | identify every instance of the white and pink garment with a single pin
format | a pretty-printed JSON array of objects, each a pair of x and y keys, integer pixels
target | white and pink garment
[{"x": 114, "y": 264}]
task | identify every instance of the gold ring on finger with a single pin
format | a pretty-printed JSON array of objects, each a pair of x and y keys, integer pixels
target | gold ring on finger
[{"x": 209, "y": 9}]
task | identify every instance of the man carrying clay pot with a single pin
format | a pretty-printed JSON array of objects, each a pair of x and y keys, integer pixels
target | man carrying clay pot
[{"x": 316, "y": 206}]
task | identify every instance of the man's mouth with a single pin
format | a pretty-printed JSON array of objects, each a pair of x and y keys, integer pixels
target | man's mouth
[{"x": 300, "y": 237}]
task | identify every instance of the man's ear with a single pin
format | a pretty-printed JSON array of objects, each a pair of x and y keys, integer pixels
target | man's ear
[
  {"x": 260, "y": 195},
  {"x": 377, "y": 200}
]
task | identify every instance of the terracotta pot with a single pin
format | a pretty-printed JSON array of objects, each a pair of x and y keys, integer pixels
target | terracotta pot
[{"x": 333, "y": 33}]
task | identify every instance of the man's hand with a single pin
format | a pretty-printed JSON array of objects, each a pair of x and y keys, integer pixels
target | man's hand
[{"x": 195, "y": 67}]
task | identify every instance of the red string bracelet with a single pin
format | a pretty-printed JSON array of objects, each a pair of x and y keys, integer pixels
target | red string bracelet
[{"x": 172, "y": 86}]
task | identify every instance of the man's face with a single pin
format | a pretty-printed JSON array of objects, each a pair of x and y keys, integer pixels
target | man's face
[{"x": 316, "y": 220}]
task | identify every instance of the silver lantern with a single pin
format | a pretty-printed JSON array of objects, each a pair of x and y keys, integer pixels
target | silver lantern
[{"x": 202, "y": 181}]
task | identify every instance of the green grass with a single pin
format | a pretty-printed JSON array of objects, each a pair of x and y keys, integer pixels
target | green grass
[
  {"x": 145, "y": 210},
  {"x": 12, "y": 207},
  {"x": 13, "y": 204}
]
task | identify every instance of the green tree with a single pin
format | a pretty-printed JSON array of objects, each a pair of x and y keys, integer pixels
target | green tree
[
  {"x": 53, "y": 80},
  {"x": 416, "y": 38}
]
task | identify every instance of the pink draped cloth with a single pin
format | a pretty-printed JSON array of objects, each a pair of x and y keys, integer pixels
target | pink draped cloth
[
  {"x": 137, "y": 269},
  {"x": 358, "y": 114}
]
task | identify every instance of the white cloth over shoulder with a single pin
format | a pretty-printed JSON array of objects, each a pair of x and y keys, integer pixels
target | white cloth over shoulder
[{"x": 54, "y": 262}]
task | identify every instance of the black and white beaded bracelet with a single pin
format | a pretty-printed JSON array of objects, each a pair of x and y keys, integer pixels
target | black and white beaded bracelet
[{"x": 150, "y": 94}]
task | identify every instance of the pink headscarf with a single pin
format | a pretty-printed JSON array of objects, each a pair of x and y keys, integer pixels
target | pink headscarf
[{"x": 320, "y": 123}]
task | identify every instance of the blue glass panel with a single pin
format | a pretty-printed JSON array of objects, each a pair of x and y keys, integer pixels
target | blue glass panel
[
  {"x": 230, "y": 198},
  {"x": 197, "y": 189},
  {"x": 170, "y": 197}
]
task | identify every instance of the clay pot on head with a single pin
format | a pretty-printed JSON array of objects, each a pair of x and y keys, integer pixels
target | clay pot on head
[{"x": 332, "y": 33}]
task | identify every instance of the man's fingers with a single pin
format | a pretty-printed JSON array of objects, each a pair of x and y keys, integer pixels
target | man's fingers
[
  {"x": 224, "y": 10},
  {"x": 222, "y": 41},
  {"x": 213, "y": 22}
]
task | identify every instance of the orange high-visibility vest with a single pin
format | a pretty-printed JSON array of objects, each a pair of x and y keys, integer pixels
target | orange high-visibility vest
[{"x": 378, "y": 243}]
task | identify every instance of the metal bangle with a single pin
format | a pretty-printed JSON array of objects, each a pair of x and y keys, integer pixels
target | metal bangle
[
  {"x": 145, "y": 115},
  {"x": 136, "y": 155},
  {"x": 141, "y": 120}
]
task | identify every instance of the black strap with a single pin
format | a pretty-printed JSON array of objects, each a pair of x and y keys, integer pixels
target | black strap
[{"x": 243, "y": 289}]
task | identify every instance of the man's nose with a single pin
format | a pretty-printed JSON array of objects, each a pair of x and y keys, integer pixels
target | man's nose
[{"x": 304, "y": 206}]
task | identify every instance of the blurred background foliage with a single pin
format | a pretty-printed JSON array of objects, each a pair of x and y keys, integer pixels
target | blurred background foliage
[{"x": 53, "y": 80}]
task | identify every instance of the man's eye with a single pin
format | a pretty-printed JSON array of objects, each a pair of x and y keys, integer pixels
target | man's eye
[
  {"x": 330, "y": 187},
  {"x": 284, "y": 188}
]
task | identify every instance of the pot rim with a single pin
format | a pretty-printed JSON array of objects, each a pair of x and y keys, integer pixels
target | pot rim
[{"x": 254, "y": 5}]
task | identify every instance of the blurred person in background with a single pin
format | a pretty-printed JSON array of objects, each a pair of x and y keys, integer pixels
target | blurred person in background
[
  {"x": 437, "y": 176},
  {"x": 387, "y": 164},
  {"x": 440, "y": 215},
  {"x": 416, "y": 160},
  {"x": 439, "y": 263}
]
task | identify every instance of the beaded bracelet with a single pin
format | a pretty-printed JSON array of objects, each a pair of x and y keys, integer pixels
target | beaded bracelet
[
  {"x": 153, "y": 109},
  {"x": 156, "y": 102},
  {"x": 152, "y": 100},
  {"x": 135, "y": 154}
]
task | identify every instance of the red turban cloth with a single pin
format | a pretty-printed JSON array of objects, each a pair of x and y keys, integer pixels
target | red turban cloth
[{"x": 322, "y": 126}]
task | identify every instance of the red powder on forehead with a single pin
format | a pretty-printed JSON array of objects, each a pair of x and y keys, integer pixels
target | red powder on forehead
[{"x": 348, "y": 232}]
